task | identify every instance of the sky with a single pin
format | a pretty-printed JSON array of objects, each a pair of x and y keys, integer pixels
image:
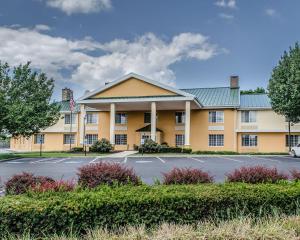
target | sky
[{"x": 186, "y": 44}]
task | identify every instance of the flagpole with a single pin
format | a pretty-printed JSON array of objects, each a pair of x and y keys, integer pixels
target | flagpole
[{"x": 71, "y": 129}]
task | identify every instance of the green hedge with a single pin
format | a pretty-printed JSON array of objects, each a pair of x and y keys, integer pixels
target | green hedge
[{"x": 114, "y": 207}]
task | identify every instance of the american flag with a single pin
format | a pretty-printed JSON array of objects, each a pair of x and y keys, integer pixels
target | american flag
[{"x": 72, "y": 103}]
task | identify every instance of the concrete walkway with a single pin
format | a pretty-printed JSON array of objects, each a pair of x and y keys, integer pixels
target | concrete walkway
[{"x": 121, "y": 154}]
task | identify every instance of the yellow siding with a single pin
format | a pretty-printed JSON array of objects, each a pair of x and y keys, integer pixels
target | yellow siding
[{"x": 132, "y": 88}]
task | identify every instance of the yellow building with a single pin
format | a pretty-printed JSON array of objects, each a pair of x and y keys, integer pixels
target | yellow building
[{"x": 134, "y": 108}]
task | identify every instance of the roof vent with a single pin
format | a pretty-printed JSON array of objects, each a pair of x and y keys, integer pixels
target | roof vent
[
  {"x": 234, "y": 82},
  {"x": 106, "y": 83}
]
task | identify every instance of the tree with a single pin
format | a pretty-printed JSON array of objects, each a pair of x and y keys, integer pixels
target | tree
[
  {"x": 255, "y": 91},
  {"x": 25, "y": 101},
  {"x": 284, "y": 87}
]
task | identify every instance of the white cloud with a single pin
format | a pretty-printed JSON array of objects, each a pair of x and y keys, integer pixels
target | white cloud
[
  {"x": 226, "y": 16},
  {"x": 90, "y": 63},
  {"x": 80, "y": 6},
  {"x": 226, "y": 3},
  {"x": 42, "y": 27},
  {"x": 271, "y": 12}
]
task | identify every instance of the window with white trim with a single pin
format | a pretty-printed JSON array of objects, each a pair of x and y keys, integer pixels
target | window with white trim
[
  {"x": 216, "y": 140},
  {"x": 39, "y": 138},
  {"x": 68, "y": 118},
  {"x": 295, "y": 140},
  {"x": 91, "y": 138},
  {"x": 121, "y": 118},
  {"x": 121, "y": 139},
  {"x": 179, "y": 139},
  {"x": 216, "y": 116},
  {"x": 180, "y": 117},
  {"x": 69, "y": 138},
  {"x": 249, "y": 140},
  {"x": 91, "y": 118},
  {"x": 248, "y": 116}
]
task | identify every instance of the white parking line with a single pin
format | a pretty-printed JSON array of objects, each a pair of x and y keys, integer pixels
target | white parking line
[
  {"x": 264, "y": 158},
  {"x": 94, "y": 160},
  {"x": 231, "y": 159},
  {"x": 143, "y": 161},
  {"x": 73, "y": 162},
  {"x": 198, "y": 160},
  {"x": 160, "y": 159},
  {"x": 60, "y": 160},
  {"x": 42, "y": 160},
  {"x": 125, "y": 160},
  {"x": 14, "y": 162}
]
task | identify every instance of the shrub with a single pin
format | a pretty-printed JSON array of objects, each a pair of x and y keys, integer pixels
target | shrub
[
  {"x": 56, "y": 186},
  {"x": 97, "y": 174},
  {"x": 21, "y": 183},
  {"x": 186, "y": 176},
  {"x": 77, "y": 149},
  {"x": 150, "y": 146},
  {"x": 76, "y": 211},
  {"x": 256, "y": 174},
  {"x": 216, "y": 152},
  {"x": 295, "y": 174},
  {"x": 102, "y": 146}
]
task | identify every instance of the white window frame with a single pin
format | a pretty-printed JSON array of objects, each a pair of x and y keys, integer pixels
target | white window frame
[
  {"x": 123, "y": 118},
  {"x": 216, "y": 140},
  {"x": 39, "y": 138},
  {"x": 120, "y": 139},
  {"x": 179, "y": 140},
  {"x": 216, "y": 116},
  {"x": 92, "y": 118},
  {"x": 249, "y": 140},
  {"x": 68, "y": 138},
  {"x": 67, "y": 120},
  {"x": 91, "y": 138},
  {"x": 180, "y": 119},
  {"x": 295, "y": 140},
  {"x": 248, "y": 116}
]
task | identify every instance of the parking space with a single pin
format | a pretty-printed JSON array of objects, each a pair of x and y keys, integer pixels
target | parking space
[{"x": 148, "y": 167}]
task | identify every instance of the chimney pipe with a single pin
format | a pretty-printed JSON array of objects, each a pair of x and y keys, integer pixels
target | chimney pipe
[{"x": 234, "y": 82}]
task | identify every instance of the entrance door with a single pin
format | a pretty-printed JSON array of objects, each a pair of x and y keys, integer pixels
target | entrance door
[{"x": 144, "y": 136}]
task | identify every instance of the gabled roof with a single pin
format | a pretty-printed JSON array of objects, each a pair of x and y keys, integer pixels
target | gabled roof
[
  {"x": 255, "y": 101},
  {"x": 147, "y": 129},
  {"x": 216, "y": 97},
  {"x": 65, "y": 106},
  {"x": 140, "y": 77}
]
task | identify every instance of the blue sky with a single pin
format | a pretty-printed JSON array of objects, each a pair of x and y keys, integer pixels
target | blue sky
[{"x": 195, "y": 43}]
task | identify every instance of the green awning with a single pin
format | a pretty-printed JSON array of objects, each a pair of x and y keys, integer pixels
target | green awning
[{"x": 147, "y": 129}]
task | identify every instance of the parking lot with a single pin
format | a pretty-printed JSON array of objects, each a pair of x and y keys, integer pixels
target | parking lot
[{"x": 149, "y": 168}]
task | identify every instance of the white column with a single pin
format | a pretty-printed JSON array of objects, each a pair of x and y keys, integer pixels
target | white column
[
  {"x": 153, "y": 121},
  {"x": 112, "y": 123},
  {"x": 187, "y": 126},
  {"x": 81, "y": 129}
]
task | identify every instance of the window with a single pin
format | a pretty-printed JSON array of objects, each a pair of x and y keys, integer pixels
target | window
[
  {"x": 248, "y": 116},
  {"x": 39, "y": 138},
  {"x": 147, "y": 117},
  {"x": 179, "y": 139},
  {"x": 92, "y": 118},
  {"x": 69, "y": 138},
  {"x": 216, "y": 117},
  {"x": 68, "y": 118},
  {"x": 249, "y": 140},
  {"x": 216, "y": 140},
  {"x": 295, "y": 140},
  {"x": 121, "y": 118},
  {"x": 121, "y": 139},
  {"x": 180, "y": 117},
  {"x": 91, "y": 138}
]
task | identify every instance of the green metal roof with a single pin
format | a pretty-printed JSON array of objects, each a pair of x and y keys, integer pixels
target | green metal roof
[
  {"x": 216, "y": 97},
  {"x": 65, "y": 106},
  {"x": 147, "y": 129},
  {"x": 255, "y": 101}
]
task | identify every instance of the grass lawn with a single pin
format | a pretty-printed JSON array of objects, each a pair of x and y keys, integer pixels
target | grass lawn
[{"x": 5, "y": 156}]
